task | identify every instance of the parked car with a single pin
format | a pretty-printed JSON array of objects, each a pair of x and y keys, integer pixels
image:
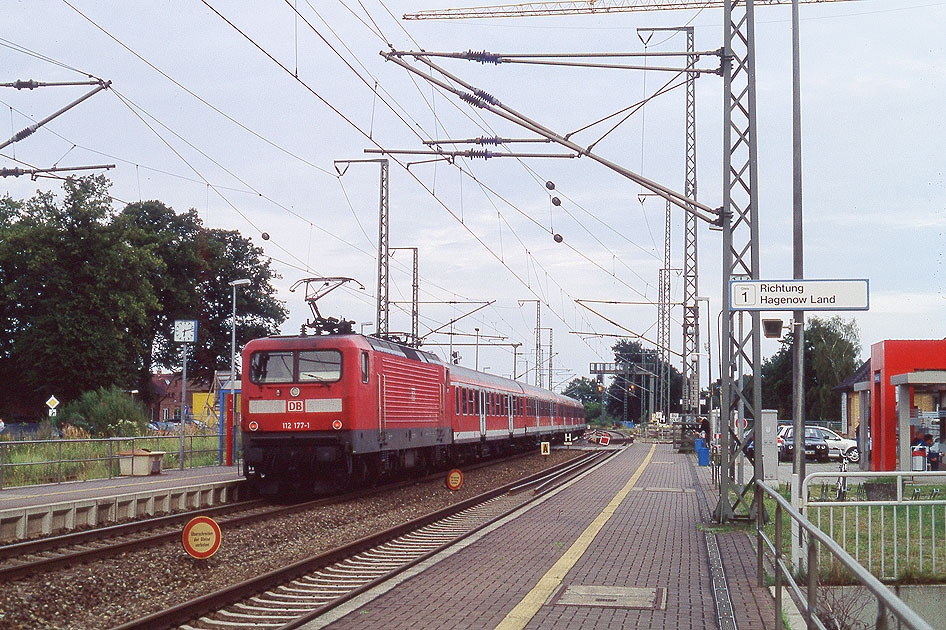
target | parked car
[
  {"x": 840, "y": 446},
  {"x": 748, "y": 445},
  {"x": 815, "y": 445}
]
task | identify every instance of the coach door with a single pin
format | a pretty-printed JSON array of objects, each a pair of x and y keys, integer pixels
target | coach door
[
  {"x": 481, "y": 410},
  {"x": 510, "y": 402}
]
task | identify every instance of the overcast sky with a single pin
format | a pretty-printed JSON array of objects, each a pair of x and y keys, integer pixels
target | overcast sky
[{"x": 246, "y": 130}]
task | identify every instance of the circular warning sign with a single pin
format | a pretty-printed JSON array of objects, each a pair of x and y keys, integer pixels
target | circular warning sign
[
  {"x": 201, "y": 537},
  {"x": 454, "y": 479}
]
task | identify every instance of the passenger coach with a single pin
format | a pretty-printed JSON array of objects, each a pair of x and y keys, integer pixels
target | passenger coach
[{"x": 322, "y": 412}]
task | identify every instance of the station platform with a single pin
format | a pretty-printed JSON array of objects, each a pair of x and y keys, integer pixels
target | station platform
[
  {"x": 630, "y": 545},
  {"x": 36, "y": 510}
]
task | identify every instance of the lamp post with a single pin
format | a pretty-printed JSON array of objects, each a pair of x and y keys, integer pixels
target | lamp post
[
  {"x": 709, "y": 362},
  {"x": 231, "y": 439},
  {"x": 477, "y": 360}
]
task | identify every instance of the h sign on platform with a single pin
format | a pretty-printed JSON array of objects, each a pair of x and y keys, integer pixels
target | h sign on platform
[{"x": 799, "y": 295}]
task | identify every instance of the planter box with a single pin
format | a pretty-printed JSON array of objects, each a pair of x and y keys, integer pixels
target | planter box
[{"x": 140, "y": 463}]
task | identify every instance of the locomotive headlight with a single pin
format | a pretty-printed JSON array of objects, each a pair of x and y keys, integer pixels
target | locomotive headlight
[
  {"x": 336, "y": 424},
  {"x": 254, "y": 426}
]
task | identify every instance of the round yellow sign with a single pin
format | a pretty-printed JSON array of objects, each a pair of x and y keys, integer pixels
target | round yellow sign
[
  {"x": 454, "y": 479},
  {"x": 201, "y": 537}
]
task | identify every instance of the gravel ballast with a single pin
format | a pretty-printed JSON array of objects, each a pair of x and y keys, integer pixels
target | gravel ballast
[{"x": 107, "y": 593}]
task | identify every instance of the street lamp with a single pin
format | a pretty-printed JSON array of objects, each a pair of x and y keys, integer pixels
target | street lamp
[
  {"x": 231, "y": 442},
  {"x": 709, "y": 363},
  {"x": 477, "y": 360}
]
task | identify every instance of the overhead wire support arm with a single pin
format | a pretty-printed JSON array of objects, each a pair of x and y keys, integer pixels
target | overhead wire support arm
[
  {"x": 483, "y": 100},
  {"x": 30, "y": 84},
  {"x": 487, "y": 141},
  {"x": 576, "y": 7},
  {"x": 38, "y": 172},
  {"x": 454, "y": 320},
  {"x": 556, "y": 59},
  {"x": 27, "y": 132},
  {"x": 470, "y": 153}
]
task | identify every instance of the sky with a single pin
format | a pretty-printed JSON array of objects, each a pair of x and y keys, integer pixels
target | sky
[{"x": 242, "y": 111}]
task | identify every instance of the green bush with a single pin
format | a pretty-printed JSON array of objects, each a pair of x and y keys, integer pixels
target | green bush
[{"x": 105, "y": 413}]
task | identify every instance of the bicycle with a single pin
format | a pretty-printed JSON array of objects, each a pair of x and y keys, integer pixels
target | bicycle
[{"x": 842, "y": 480}]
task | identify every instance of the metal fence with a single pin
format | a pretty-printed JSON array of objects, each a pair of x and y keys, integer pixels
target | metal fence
[
  {"x": 817, "y": 543},
  {"x": 29, "y": 462},
  {"x": 892, "y": 522}
]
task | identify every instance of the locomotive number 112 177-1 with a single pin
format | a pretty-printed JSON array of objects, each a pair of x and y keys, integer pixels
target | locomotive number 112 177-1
[{"x": 296, "y": 425}]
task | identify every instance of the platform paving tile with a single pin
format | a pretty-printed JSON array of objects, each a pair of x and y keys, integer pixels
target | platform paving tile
[{"x": 651, "y": 540}]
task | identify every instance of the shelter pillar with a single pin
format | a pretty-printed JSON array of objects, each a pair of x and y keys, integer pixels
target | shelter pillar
[
  {"x": 903, "y": 426},
  {"x": 863, "y": 422}
]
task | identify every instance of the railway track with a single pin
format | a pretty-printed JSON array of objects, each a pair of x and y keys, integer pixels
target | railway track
[
  {"x": 292, "y": 596},
  {"x": 57, "y": 552}
]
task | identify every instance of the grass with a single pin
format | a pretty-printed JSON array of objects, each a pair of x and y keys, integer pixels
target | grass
[
  {"x": 889, "y": 541},
  {"x": 78, "y": 458}
]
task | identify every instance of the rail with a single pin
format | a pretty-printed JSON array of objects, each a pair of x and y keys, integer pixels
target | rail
[
  {"x": 31, "y": 462},
  {"x": 892, "y": 521},
  {"x": 807, "y": 600}
]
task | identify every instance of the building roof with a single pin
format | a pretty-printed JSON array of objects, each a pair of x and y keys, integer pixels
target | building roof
[{"x": 860, "y": 375}]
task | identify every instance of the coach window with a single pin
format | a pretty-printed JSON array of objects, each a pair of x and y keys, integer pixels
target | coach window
[
  {"x": 463, "y": 406},
  {"x": 456, "y": 399},
  {"x": 364, "y": 367},
  {"x": 323, "y": 366},
  {"x": 271, "y": 367}
]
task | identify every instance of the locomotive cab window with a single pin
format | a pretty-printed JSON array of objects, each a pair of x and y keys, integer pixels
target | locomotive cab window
[
  {"x": 364, "y": 367},
  {"x": 271, "y": 367},
  {"x": 324, "y": 366}
]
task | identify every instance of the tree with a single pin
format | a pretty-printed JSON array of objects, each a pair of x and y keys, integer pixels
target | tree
[
  {"x": 589, "y": 392},
  {"x": 832, "y": 348},
  {"x": 200, "y": 263},
  {"x": 638, "y": 383},
  {"x": 70, "y": 293},
  {"x": 88, "y": 296}
]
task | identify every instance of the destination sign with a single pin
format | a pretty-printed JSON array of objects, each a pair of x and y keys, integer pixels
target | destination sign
[{"x": 799, "y": 295}]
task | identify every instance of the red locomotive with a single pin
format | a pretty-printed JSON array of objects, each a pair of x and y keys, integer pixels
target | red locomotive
[{"x": 326, "y": 411}]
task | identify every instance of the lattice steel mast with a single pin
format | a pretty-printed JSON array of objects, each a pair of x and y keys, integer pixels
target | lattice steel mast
[
  {"x": 739, "y": 211},
  {"x": 740, "y": 245}
]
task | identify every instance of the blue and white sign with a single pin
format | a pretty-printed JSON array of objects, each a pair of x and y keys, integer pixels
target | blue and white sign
[{"x": 799, "y": 295}]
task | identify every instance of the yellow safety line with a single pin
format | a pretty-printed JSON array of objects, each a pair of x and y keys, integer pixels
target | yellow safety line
[
  {"x": 526, "y": 609},
  {"x": 74, "y": 489}
]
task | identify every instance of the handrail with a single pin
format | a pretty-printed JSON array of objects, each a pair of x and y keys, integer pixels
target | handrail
[{"x": 887, "y": 600}]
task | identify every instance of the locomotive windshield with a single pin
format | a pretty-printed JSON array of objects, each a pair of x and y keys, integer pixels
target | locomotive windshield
[
  {"x": 305, "y": 366},
  {"x": 271, "y": 367},
  {"x": 320, "y": 365}
]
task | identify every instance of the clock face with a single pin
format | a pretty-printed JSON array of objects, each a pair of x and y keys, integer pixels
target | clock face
[{"x": 185, "y": 331}]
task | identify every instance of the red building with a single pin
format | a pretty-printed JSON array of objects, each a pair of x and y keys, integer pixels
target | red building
[{"x": 907, "y": 394}]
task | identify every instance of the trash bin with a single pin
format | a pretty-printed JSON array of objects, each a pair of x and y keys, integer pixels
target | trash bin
[
  {"x": 699, "y": 443},
  {"x": 702, "y": 456},
  {"x": 919, "y": 458}
]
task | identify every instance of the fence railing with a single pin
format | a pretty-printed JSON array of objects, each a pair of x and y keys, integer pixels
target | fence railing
[
  {"x": 807, "y": 597},
  {"x": 30, "y": 462},
  {"x": 891, "y": 522}
]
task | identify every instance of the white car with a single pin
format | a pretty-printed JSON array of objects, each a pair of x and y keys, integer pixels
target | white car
[{"x": 839, "y": 446}]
